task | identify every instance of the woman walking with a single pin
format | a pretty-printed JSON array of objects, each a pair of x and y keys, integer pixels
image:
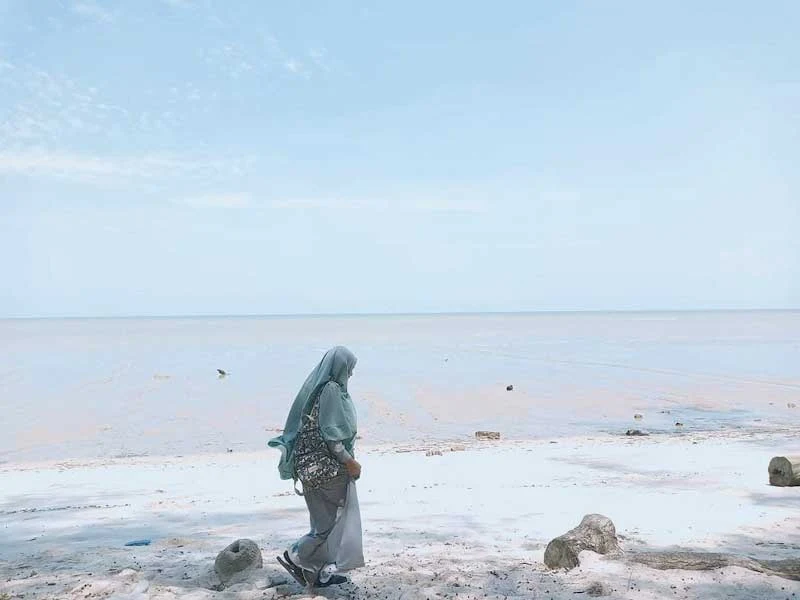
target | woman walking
[{"x": 317, "y": 449}]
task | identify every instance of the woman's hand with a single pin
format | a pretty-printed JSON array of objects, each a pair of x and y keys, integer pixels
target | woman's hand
[{"x": 353, "y": 468}]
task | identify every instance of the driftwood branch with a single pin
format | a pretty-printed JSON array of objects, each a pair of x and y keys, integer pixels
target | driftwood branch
[
  {"x": 706, "y": 561},
  {"x": 597, "y": 533}
]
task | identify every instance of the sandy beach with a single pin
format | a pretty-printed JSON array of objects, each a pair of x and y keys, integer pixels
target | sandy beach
[{"x": 472, "y": 522}]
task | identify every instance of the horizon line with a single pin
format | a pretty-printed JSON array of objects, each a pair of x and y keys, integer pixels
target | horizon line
[{"x": 393, "y": 314}]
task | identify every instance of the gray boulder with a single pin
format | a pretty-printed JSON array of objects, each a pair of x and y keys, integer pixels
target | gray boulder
[
  {"x": 595, "y": 533},
  {"x": 236, "y": 562}
]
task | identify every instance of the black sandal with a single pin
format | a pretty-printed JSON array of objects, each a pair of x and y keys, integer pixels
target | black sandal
[
  {"x": 289, "y": 560},
  {"x": 299, "y": 575},
  {"x": 334, "y": 580},
  {"x": 293, "y": 570}
]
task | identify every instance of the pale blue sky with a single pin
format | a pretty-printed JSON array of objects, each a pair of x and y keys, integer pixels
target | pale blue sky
[{"x": 201, "y": 157}]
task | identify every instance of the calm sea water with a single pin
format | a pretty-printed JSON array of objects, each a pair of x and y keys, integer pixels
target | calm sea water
[{"x": 107, "y": 387}]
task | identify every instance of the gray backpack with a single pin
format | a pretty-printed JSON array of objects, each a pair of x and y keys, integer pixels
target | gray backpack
[{"x": 314, "y": 465}]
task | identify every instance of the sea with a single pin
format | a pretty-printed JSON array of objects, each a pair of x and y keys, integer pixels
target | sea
[{"x": 109, "y": 387}]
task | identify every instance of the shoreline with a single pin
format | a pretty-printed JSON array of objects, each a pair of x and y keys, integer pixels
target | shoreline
[{"x": 466, "y": 442}]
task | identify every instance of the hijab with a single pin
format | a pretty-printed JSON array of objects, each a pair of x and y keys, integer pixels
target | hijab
[{"x": 337, "y": 421}]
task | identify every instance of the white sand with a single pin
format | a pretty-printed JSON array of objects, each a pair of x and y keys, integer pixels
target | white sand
[{"x": 467, "y": 524}]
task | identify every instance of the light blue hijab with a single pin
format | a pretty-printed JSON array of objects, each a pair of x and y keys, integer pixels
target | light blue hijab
[{"x": 337, "y": 422}]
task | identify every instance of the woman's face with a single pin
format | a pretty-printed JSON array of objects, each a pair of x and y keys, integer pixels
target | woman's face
[
  {"x": 352, "y": 368},
  {"x": 343, "y": 365}
]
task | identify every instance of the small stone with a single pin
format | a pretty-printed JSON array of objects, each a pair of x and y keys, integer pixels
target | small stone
[
  {"x": 678, "y": 424},
  {"x": 638, "y": 416},
  {"x": 487, "y": 435},
  {"x": 791, "y": 405},
  {"x": 636, "y": 432},
  {"x": 597, "y": 589},
  {"x": 509, "y": 388}
]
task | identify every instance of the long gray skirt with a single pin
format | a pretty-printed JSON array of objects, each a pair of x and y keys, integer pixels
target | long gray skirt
[{"x": 335, "y": 536}]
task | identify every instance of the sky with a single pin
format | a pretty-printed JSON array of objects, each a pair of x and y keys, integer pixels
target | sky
[{"x": 194, "y": 157}]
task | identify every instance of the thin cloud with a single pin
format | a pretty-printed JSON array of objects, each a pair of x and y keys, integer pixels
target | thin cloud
[
  {"x": 105, "y": 170},
  {"x": 318, "y": 57},
  {"x": 314, "y": 203},
  {"x": 92, "y": 11},
  {"x": 216, "y": 201},
  {"x": 448, "y": 205},
  {"x": 293, "y": 66},
  {"x": 41, "y": 163},
  {"x": 263, "y": 55},
  {"x": 56, "y": 106},
  {"x": 413, "y": 204},
  {"x": 296, "y": 67}
]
